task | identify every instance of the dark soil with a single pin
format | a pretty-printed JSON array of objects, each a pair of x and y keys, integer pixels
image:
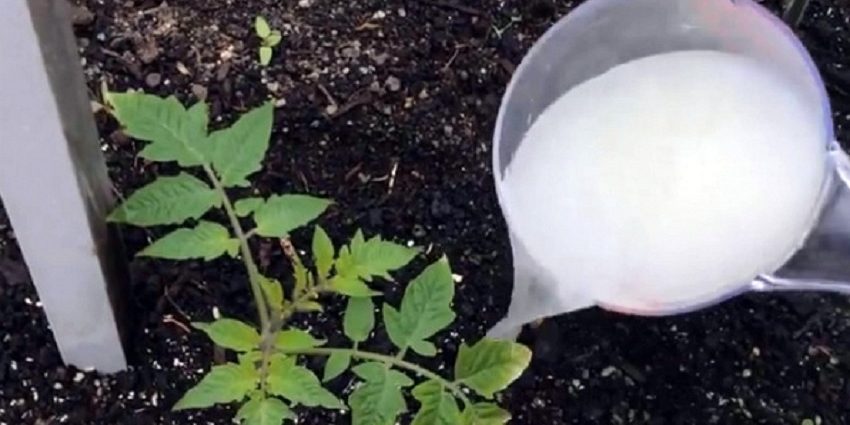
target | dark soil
[{"x": 388, "y": 106}]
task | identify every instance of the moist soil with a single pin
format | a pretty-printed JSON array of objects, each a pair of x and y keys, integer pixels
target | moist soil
[{"x": 388, "y": 106}]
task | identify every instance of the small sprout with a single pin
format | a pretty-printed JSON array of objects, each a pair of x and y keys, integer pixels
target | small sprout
[{"x": 269, "y": 39}]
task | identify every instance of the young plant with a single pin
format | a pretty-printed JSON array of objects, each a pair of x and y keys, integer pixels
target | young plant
[
  {"x": 268, "y": 39},
  {"x": 268, "y": 379}
]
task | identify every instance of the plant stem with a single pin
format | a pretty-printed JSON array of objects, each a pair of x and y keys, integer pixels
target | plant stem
[
  {"x": 247, "y": 256},
  {"x": 390, "y": 360}
]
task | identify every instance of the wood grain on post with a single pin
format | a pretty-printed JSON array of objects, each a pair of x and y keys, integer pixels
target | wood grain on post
[{"x": 54, "y": 185}]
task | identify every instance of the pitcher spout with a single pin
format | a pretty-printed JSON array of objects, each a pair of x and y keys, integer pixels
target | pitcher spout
[{"x": 823, "y": 261}]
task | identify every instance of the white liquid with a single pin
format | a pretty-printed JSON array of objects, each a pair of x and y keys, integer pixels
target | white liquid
[{"x": 670, "y": 179}]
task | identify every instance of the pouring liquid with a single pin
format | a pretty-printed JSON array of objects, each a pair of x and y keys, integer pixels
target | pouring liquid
[{"x": 669, "y": 179}]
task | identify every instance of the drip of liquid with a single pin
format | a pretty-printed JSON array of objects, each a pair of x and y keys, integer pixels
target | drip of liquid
[{"x": 669, "y": 179}]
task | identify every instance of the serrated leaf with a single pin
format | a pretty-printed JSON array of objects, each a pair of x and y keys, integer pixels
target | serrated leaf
[
  {"x": 296, "y": 339},
  {"x": 265, "y": 55},
  {"x": 261, "y": 25},
  {"x": 299, "y": 384},
  {"x": 359, "y": 319},
  {"x": 379, "y": 400},
  {"x": 264, "y": 411},
  {"x": 425, "y": 308},
  {"x": 246, "y": 206},
  {"x": 273, "y": 291},
  {"x": 323, "y": 252},
  {"x": 239, "y": 149},
  {"x": 282, "y": 214},
  {"x": 273, "y": 39},
  {"x": 231, "y": 333},
  {"x": 175, "y": 133},
  {"x": 352, "y": 286},
  {"x": 337, "y": 363},
  {"x": 168, "y": 200},
  {"x": 207, "y": 240},
  {"x": 491, "y": 365},
  {"x": 437, "y": 407},
  {"x": 223, "y": 384},
  {"x": 377, "y": 257},
  {"x": 484, "y": 414}
]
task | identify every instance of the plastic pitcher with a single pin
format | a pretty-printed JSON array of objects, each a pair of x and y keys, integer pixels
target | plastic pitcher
[{"x": 601, "y": 34}]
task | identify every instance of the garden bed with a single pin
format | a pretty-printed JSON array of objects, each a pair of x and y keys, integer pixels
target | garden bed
[{"x": 388, "y": 108}]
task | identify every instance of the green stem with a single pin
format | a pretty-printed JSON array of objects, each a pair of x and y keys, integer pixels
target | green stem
[
  {"x": 247, "y": 256},
  {"x": 390, "y": 360}
]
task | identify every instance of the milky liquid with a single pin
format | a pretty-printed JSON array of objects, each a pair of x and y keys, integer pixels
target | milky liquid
[{"x": 670, "y": 179}]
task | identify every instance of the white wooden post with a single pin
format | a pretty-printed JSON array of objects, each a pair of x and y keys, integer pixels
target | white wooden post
[{"x": 54, "y": 185}]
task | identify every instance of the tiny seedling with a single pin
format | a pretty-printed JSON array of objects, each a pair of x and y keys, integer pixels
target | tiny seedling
[
  {"x": 269, "y": 39},
  {"x": 268, "y": 378}
]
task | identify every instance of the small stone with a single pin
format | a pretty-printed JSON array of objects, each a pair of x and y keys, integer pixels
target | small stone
[
  {"x": 402, "y": 13},
  {"x": 147, "y": 50},
  {"x": 393, "y": 83},
  {"x": 375, "y": 87},
  {"x": 199, "y": 91},
  {"x": 381, "y": 58},
  {"x": 153, "y": 79},
  {"x": 273, "y": 86},
  {"x": 419, "y": 231},
  {"x": 305, "y": 3},
  {"x": 81, "y": 16},
  {"x": 221, "y": 72},
  {"x": 350, "y": 52},
  {"x": 331, "y": 109},
  {"x": 608, "y": 371},
  {"x": 181, "y": 68}
]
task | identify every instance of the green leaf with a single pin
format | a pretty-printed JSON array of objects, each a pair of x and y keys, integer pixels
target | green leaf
[
  {"x": 261, "y": 25},
  {"x": 352, "y": 286},
  {"x": 168, "y": 200},
  {"x": 223, "y": 384},
  {"x": 484, "y": 414},
  {"x": 424, "y": 348},
  {"x": 377, "y": 257},
  {"x": 491, "y": 365},
  {"x": 264, "y": 411},
  {"x": 299, "y": 384},
  {"x": 250, "y": 358},
  {"x": 231, "y": 333},
  {"x": 309, "y": 307},
  {"x": 359, "y": 319},
  {"x": 273, "y": 39},
  {"x": 323, "y": 252},
  {"x": 265, "y": 55},
  {"x": 437, "y": 407},
  {"x": 175, "y": 133},
  {"x": 282, "y": 214},
  {"x": 273, "y": 291},
  {"x": 379, "y": 400},
  {"x": 296, "y": 339},
  {"x": 246, "y": 206},
  {"x": 207, "y": 240},
  {"x": 425, "y": 309},
  {"x": 239, "y": 149},
  {"x": 337, "y": 363}
]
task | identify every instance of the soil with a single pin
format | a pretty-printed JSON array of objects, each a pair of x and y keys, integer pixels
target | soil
[{"x": 387, "y": 106}]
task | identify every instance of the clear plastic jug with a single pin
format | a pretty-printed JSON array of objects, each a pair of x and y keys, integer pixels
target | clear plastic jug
[{"x": 601, "y": 34}]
